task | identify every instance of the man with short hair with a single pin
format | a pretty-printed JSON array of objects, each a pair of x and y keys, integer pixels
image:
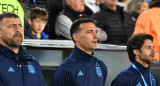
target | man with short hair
[
  {"x": 81, "y": 68},
  {"x": 17, "y": 68},
  {"x": 141, "y": 52},
  {"x": 117, "y": 23},
  {"x": 148, "y": 22},
  {"x": 74, "y": 9}
]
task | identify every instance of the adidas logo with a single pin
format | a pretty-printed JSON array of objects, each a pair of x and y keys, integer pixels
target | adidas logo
[
  {"x": 11, "y": 69},
  {"x": 80, "y": 73},
  {"x": 139, "y": 84}
]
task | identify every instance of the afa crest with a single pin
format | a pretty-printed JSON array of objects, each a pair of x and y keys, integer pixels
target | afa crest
[
  {"x": 31, "y": 68},
  {"x": 98, "y": 70}
]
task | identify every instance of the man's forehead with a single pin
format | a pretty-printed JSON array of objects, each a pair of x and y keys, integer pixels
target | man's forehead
[
  {"x": 12, "y": 20},
  {"x": 88, "y": 27},
  {"x": 148, "y": 43}
]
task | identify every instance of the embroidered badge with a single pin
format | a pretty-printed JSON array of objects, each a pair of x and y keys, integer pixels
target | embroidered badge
[
  {"x": 98, "y": 70},
  {"x": 31, "y": 68}
]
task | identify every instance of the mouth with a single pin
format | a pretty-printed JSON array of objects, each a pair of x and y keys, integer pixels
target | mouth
[
  {"x": 94, "y": 42},
  {"x": 39, "y": 29},
  {"x": 18, "y": 36},
  {"x": 152, "y": 56}
]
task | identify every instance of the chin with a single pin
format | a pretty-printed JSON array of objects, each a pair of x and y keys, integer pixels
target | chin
[{"x": 94, "y": 48}]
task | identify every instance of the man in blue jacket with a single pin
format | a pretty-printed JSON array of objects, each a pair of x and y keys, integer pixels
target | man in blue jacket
[
  {"x": 81, "y": 68},
  {"x": 141, "y": 52},
  {"x": 17, "y": 68}
]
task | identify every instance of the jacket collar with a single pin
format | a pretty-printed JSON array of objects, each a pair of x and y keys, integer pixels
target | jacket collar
[
  {"x": 157, "y": 4},
  {"x": 140, "y": 67},
  {"x": 8, "y": 53},
  {"x": 73, "y": 12},
  {"x": 82, "y": 55},
  {"x": 28, "y": 33}
]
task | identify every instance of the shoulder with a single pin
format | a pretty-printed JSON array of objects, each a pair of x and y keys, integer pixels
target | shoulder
[
  {"x": 28, "y": 57},
  {"x": 99, "y": 14},
  {"x": 68, "y": 65},
  {"x": 124, "y": 78},
  {"x": 29, "y": 35},
  {"x": 63, "y": 20},
  {"x": 62, "y": 17},
  {"x": 149, "y": 13},
  {"x": 101, "y": 64},
  {"x": 44, "y": 35}
]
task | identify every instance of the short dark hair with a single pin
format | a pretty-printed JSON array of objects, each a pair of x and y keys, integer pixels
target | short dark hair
[
  {"x": 136, "y": 42},
  {"x": 75, "y": 26},
  {"x": 8, "y": 15},
  {"x": 38, "y": 12}
]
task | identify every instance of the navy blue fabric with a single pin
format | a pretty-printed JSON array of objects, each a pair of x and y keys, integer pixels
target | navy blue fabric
[
  {"x": 14, "y": 71},
  {"x": 29, "y": 35},
  {"x": 131, "y": 77},
  {"x": 118, "y": 24},
  {"x": 79, "y": 69}
]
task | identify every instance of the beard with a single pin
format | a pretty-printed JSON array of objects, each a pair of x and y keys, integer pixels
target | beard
[
  {"x": 148, "y": 61},
  {"x": 13, "y": 42}
]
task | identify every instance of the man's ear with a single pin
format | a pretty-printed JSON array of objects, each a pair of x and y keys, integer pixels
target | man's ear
[
  {"x": 136, "y": 52},
  {"x": 29, "y": 21},
  {"x": 75, "y": 37}
]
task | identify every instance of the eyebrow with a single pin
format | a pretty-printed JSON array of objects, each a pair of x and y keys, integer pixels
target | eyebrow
[{"x": 149, "y": 46}]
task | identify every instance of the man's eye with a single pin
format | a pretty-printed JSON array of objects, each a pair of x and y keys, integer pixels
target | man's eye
[
  {"x": 20, "y": 25},
  {"x": 11, "y": 26}
]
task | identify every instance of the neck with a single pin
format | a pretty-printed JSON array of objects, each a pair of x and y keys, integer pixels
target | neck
[
  {"x": 37, "y": 34},
  {"x": 143, "y": 63},
  {"x": 16, "y": 50},
  {"x": 86, "y": 51},
  {"x": 112, "y": 7}
]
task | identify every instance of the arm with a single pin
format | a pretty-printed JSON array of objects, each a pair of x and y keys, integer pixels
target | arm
[
  {"x": 102, "y": 35},
  {"x": 40, "y": 75},
  {"x": 62, "y": 26},
  {"x": 61, "y": 77},
  {"x": 123, "y": 79}
]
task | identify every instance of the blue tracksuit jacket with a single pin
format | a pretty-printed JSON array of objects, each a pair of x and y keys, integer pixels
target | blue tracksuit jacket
[
  {"x": 80, "y": 69},
  {"x": 131, "y": 77},
  {"x": 19, "y": 69}
]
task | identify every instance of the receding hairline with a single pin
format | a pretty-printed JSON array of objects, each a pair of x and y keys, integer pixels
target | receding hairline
[{"x": 7, "y": 15}]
